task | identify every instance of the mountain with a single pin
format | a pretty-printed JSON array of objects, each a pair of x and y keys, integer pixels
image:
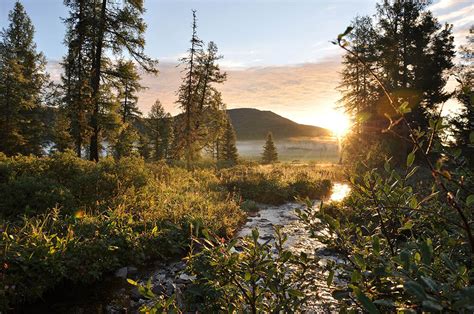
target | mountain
[{"x": 254, "y": 124}]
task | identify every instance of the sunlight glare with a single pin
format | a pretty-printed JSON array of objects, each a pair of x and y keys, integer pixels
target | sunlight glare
[{"x": 339, "y": 123}]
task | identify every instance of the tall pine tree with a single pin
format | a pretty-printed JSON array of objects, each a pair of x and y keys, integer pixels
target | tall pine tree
[
  {"x": 108, "y": 27},
  {"x": 22, "y": 79}
]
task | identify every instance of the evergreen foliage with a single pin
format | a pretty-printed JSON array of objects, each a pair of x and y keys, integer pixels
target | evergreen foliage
[
  {"x": 160, "y": 129},
  {"x": 463, "y": 123},
  {"x": 270, "y": 154},
  {"x": 22, "y": 84},
  {"x": 229, "y": 149},
  {"x": 410, "y": 52},
  {"x": 95, "y": 30}
]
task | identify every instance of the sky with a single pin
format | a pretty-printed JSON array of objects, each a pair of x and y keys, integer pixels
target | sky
[{"x": 277, "y": 53}]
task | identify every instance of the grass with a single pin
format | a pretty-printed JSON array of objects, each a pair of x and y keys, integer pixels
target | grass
[{"x": 63, "y": 219}]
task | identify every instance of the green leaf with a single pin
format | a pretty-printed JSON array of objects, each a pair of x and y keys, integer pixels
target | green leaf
[
  {"x": 366, "y": 303},
  {"x": 356, "y": 276},
  {"x": 255, "y": 234},
  {"x": 330, "y": 277},
  {"x": 296, "y": 293},
  {"x": 404, "y": 108},
  {"x": 132, "y": 282},
  {"x": 414, "y": 288},
  {"x": 247, "y": 276},
  {"x": 347, "y": 31},
  {"x": 410, "y": 159},
  {"x": 426, "y": 249},
  {"x": 407, "y": 226},
  {"x": 470, "y": 200},
  {"x": 339, "y": 294},
  {"x": 376, "y": 244},
  {"x": 359, "y": 261}
]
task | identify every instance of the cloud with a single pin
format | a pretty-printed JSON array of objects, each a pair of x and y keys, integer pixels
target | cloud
[
  {"x": 300, "y": 92},
  {"x": 460, "y": 13}
]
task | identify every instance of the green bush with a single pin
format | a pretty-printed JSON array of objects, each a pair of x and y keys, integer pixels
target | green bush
[
  {"x": 278, "y": 184},
  {"x": 406, "y": 247},
  {"x": 67, "y": 219}
]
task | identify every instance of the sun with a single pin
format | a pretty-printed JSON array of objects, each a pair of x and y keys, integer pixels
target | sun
[{"x": 338, "y": 122}]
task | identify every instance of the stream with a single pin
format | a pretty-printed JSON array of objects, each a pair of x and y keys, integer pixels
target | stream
[{"x": 114, "y": 295}]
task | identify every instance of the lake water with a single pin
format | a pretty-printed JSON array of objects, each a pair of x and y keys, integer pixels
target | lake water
[{"x": 317, "y": 149}]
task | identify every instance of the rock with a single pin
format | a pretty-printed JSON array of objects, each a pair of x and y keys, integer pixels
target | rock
[
  {"x": 131, "y": 270},
  {"x": 158, "y": 290},
  {"x": 112, "y": 309},
  {"x": 160, "y": 277},
  {"x": 135, "y": 294},
  {"x": 187, "y": 277},
  {"x": 121, "y": 273},
  {"x": 267, "y": 237},
  {"x": 170, "y": 287}
]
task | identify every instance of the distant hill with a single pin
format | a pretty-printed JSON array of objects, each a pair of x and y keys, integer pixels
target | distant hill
[{"x": 254, "y": 124}]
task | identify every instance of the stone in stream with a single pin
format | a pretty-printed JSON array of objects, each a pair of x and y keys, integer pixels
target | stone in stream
[
  {"x": 135, "y": 295},
  {"x": 125, "y": 272},
  {"x": 121, "y": 272}
]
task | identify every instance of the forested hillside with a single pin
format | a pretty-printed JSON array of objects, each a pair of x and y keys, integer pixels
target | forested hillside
[{"x": 254, "y": 124}]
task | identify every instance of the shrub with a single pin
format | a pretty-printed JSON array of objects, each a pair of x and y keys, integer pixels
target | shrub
[
  {"x": 278, "y": 184},
  {"x": 67, "y": 219}
]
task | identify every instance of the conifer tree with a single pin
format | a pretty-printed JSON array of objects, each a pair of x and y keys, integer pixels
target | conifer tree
[
  {"x": 406, "y": 47},
  {"x": 229, "y": 149},
  {"x": 125, "y": 144},
  {"x": 77, "y": 65},
  {"x": 22, "y": 78},
  {"x": 270, "y": 154},
  {"x": 463, "y": 123},
  {"x": 128, "y": 85},
  {"x": 160, "y": 130},
  {"x": 144, "y": 146},
  {"x": 110, "y": 28},
  {"x": 187, "y": 97},
  {"x": 197, "y": 94}
]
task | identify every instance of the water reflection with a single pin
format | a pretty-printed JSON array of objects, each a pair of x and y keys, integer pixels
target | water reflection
[{"x": 339, "y": 191}]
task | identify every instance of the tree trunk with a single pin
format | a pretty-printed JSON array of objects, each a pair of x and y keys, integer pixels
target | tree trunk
[{"x": 96, "y": 72}]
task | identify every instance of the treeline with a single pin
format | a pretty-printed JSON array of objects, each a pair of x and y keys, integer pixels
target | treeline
[
  {"x": 404, "y": 51},
  {"x": 95, "y": 103}
]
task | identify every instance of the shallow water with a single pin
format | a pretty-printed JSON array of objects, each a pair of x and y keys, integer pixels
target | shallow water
[
  {"x": 299, "y": 240},
  {"x": 115, "y": 295}
]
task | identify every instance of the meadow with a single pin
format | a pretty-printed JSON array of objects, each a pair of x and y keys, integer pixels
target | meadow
[
  {"x": 314, "y": 150},
  {"x": 67, "y": 220}
]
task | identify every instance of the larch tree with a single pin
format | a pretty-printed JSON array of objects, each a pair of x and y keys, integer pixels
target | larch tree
[
  {"x": 415, "y": 53},
  {"x": 187, "y": 97},
  {"x": 116, "y": 28},
  {"x": 270, "y": 154},
  {"x": 22, "y": 79},
  {"x": 160, "y": 130},
  {"x": 197, "y": 94},
  {"x": 213, "y": 125},
  {"x": 128, "y": 86},
  {"x": 77, "y": 66}
]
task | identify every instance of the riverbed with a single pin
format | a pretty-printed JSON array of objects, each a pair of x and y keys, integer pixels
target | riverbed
[{"x": 115, "y": 295}]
